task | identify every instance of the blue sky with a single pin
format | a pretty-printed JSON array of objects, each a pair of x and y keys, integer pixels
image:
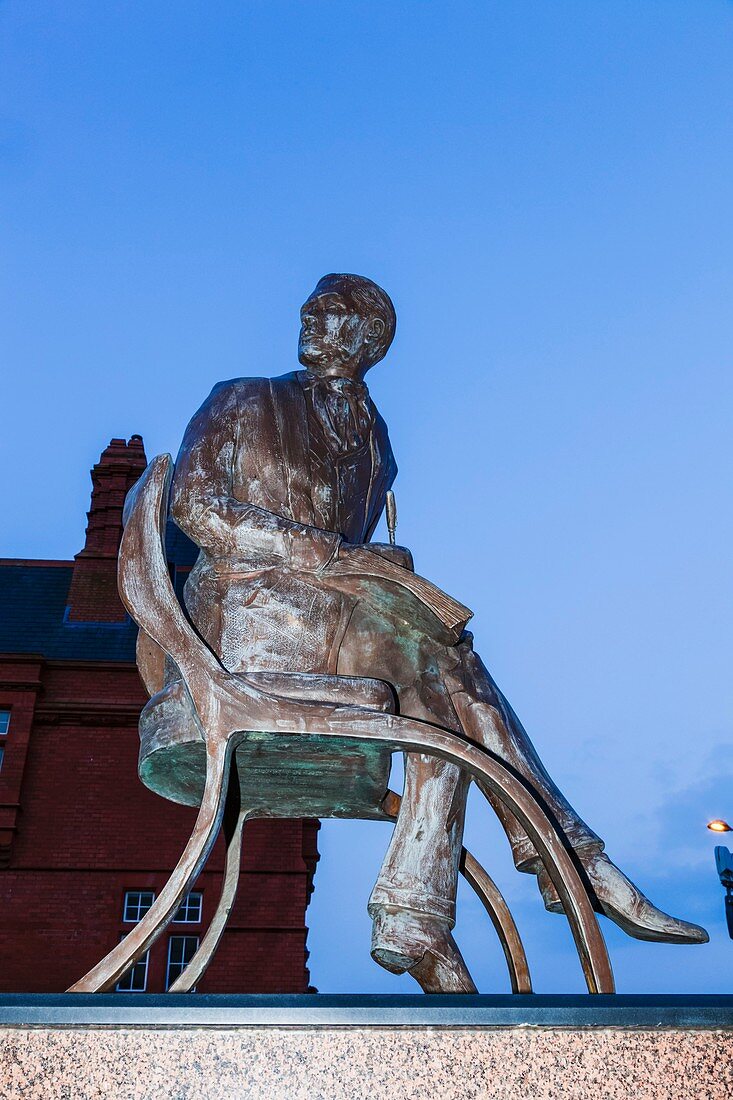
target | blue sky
[{"x": 545, "y": 191}]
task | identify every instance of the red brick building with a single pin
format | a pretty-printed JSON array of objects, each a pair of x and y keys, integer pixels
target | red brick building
[{"x": 84, "y": 847}]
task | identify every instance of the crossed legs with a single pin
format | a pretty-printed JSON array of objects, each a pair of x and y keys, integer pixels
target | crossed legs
[{"x": 413, "y": 901}]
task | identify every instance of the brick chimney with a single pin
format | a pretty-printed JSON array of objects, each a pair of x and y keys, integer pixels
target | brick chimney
[{"x": 93, "y": 594}]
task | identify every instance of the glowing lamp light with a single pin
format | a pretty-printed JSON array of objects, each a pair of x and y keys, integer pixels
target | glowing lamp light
[{"x": 719, "y": 826}]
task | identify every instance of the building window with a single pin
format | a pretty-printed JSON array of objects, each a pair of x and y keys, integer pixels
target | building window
[
  {"x": 2, "y": 757},
  {"x": 4, "y": 722},
  {"x": 181, "y": 949},
  {"x": 136, "y": 978},
  {"x": 189, "y": 911},
  {"x": 137, "y": 903}
]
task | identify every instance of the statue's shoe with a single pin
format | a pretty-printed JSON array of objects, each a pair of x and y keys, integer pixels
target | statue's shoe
[
  {"x": 623, "y": 903},
  {"x": 405, "y": 940}
]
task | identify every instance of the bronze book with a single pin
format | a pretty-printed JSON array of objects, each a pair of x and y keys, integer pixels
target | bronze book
[{"x": 452, "y": 614}]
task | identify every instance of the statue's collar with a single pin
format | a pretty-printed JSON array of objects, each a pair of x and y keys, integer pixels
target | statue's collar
[{"x": 344, "y": 385}]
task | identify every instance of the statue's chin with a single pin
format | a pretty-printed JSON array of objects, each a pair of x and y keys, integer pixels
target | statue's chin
[{"x": 310, "y": 356}]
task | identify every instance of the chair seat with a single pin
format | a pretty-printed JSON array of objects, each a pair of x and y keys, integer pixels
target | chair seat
[{"x": 281, "y": 775}]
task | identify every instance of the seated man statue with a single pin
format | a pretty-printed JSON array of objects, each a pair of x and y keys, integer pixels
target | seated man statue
[{"x": 280, "y": 480}]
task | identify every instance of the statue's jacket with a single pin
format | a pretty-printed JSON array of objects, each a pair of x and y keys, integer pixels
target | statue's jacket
[{"x": 256, "y": 487}]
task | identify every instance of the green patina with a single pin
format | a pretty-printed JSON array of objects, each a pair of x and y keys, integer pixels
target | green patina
[{"x": 281, "y": 775}]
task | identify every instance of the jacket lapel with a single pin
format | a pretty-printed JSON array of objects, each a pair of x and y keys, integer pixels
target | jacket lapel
[{"x": 291, "y": 418}]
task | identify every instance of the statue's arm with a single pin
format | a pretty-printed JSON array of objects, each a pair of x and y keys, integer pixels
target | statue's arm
[{"x": 203, "y": 504}]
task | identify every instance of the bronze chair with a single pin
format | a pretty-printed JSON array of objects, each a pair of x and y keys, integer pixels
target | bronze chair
[{"x": 292, "y": 745}]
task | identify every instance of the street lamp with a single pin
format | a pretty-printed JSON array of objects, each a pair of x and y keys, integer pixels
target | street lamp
[{"x": 719, "y": 826}]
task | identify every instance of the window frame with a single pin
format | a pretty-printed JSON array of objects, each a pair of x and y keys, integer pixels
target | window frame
[
  {"x": 129, "y": 976},
  {"x": 196, "y": 895},
  {"x": 5, "y": 712},
  {"x": 181, "y": 964},
  {"x": 141, "y": 908}
]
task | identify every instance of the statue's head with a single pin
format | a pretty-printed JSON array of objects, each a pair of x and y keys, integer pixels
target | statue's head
[{"x": 347, "y": 325}]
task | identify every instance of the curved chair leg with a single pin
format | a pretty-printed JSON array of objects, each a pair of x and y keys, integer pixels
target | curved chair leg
[
  {"x": 232, "y": 827},
  {"x": 410, "y": 735},
  {"x": 105, "y": 975},
  {"x": 493, "y": 902}
]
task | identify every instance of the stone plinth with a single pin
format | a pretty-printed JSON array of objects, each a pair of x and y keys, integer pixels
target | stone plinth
[{"x": 329, "y": 1048}]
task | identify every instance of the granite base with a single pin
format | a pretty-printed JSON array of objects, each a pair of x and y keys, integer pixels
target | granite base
[{"x": 263, "y": 1048}]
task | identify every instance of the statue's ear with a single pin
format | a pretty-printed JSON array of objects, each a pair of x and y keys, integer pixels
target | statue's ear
[{"x": 375, "y": 330}]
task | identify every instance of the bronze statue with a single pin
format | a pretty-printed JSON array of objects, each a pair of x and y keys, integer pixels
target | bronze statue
[
  {"x": 281, "y": 483},
  {"x": 275, "y": 480}
]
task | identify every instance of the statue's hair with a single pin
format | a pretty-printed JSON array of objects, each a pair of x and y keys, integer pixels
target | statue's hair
[{"x": 369, "y": 300}]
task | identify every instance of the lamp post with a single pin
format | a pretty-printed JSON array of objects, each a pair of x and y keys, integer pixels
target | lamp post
[{"x": 724, "y": 865}]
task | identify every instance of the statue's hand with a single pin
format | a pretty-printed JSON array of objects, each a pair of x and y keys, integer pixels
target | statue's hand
[
  {"x": 310, "y": 549},
  {"x": 400, "y": 555}
]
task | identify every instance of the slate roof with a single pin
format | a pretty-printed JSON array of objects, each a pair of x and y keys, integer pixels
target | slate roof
[{"x": 33, "y": 603}]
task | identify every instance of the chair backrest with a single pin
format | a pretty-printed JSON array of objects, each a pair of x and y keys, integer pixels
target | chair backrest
[{"x": 142, "y": 571}]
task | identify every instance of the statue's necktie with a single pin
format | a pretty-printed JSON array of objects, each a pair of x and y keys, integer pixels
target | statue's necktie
[{"x": 343, "y": 409}]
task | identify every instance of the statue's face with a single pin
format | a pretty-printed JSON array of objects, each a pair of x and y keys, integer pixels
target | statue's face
[{"x": 334, "y": 337}]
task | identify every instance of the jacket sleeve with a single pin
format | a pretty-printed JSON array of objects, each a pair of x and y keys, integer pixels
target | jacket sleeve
[{"x": 204, "y": 507}]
